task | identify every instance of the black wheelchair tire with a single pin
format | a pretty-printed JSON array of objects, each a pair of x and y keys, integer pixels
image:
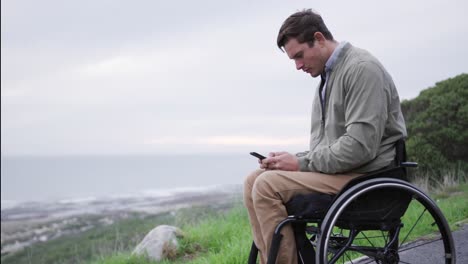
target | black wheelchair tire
[{"x": 333, "y": 214}]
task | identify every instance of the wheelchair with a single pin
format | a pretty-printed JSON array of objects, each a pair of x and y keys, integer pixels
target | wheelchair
[{"x": 375, "y": 218}]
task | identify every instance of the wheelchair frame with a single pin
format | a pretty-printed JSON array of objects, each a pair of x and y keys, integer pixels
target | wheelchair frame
[{"x": 389, "y": 179}]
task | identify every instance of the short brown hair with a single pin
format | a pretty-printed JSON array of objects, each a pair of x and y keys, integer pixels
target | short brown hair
[{"x": 302, "y": 26}]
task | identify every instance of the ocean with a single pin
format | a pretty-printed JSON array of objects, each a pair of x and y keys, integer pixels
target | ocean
[{"x": 55, "y": 178}]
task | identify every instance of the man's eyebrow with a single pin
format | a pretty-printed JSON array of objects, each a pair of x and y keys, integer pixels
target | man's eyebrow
[{"x": 298, "y": 55}]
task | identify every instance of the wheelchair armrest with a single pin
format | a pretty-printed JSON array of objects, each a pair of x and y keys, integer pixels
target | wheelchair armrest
[{"x": 408, "y": 164}]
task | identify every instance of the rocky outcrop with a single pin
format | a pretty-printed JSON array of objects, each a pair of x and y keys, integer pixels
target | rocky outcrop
[{"x": 159, "y": 243}]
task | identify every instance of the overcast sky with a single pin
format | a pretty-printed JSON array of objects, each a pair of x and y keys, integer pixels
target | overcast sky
[{"x": 170, "y": 77}]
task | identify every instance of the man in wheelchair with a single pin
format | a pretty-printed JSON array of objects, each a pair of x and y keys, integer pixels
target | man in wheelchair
[{"x": 355, "y": 124}]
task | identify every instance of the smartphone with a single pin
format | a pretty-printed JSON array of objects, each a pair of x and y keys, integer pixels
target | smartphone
[{"x": 255, "y": 154}]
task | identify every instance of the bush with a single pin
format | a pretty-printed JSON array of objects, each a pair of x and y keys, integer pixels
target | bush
[{"x": 437, "y": 122}]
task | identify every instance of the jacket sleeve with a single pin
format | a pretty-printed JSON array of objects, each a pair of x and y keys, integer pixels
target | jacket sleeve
[
  {"x": 302, "y": 154},
  {"x": 365, "y": 111}
]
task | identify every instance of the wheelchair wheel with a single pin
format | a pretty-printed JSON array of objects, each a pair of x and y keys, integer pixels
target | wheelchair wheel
[{"x": 419, "y": 234}]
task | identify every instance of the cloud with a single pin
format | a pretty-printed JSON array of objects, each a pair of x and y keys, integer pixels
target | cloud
[
  {"x": 226, "y": 140},
  {"x": 225, "y": 144},
  {"x": 116, "y": 65},
  {"x": 111, "y": 77}
]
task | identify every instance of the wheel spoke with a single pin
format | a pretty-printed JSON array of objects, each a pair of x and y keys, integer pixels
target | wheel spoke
[
  {"x": 368, "y": 240},
  {"x": 384, "y": 236},
  {"x": 420, "y": 245},
  {"x": 414, "y": 225},
  {"x": 347, "y": 256},
  {"x": 369, "y": 237}
]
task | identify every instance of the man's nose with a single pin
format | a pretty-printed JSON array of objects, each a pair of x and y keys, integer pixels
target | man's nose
[{"x": 299, "y": 64}]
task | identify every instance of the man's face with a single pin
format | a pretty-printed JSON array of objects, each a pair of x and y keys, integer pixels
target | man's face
[{"x": 309, "y": 59}]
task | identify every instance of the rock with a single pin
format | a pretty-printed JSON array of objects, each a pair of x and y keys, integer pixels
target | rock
[{"x": 159, "y": 243}]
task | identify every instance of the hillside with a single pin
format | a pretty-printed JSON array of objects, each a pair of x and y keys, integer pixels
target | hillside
[{"x": 437, "y": 123}]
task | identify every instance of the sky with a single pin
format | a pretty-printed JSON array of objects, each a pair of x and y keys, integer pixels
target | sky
[{"x": 177, "y": 77}]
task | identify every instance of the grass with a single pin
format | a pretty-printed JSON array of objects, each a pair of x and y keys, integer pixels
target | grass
[
  {"x": 217, "y": 238},
  {"x": 455, "y": 206},
  {"x": 227, "y": 238},
  {"x": 210, "y": 236},
  {"x": 438, "y": 182}
]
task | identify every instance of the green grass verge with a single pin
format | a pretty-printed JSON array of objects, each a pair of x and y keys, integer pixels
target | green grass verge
[
  {"x": 454, "y": 205},
  {"x": 227, "y": 239},
  {"x": 223, "y": 238},
  {"x": 210, "y": 236}
]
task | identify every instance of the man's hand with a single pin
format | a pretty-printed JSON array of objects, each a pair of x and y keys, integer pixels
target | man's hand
[{"x": 280, "y": 161}]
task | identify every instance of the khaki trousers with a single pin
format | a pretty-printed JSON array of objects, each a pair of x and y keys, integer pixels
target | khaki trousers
[{"x": 266, "y": 192}]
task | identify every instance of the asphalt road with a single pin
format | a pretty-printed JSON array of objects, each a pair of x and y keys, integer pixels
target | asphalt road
[
  {"x": 430, "y": 253},
  {"x": 461, "y": 244},
  {"x": 425, "y": 254}
]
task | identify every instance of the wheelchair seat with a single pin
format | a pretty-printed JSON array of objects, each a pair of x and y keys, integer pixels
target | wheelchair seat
[
  {"x": 380, "y": 209},
  {"x": 315, "y": 205}
]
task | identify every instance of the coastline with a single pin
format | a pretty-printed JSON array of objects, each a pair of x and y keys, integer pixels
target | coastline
[{"x": 24, "y": 224}]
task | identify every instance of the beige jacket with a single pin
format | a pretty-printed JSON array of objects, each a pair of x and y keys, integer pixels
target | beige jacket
[{"x": 362, "y": 118}]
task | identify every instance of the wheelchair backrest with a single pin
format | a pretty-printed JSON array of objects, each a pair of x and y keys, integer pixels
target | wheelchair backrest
[
  {"x": 378, "y": 209},
  {"x": 396, "y": 170}
]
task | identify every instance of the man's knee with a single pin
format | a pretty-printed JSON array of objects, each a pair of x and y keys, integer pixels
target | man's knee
[
  {"x": 264, "y": 184},
  {"x": 249, "y": 182},
  {"x": 250, "y": 179}
]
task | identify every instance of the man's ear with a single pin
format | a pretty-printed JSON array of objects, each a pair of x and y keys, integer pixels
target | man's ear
[{"x": 318, "y": 36}]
